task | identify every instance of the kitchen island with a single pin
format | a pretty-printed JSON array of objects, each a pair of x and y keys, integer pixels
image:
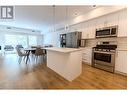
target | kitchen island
[{"x": 67, "y": 62}]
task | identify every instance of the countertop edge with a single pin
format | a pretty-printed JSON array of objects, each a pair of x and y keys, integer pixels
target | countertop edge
[{"x": 64, "y": 51}]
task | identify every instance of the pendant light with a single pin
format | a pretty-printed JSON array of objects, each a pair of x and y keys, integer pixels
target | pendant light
[
  {"x": 66, "y": 26},
  {"x": 54, "y": 18}
]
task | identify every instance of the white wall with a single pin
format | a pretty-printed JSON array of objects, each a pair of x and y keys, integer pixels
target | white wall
[
  {"x": 40, "y": 39},
  {"x": 89, "y": 26},
  {"x": 2, "y": 39},
  {"x": 53, "y": 38}
]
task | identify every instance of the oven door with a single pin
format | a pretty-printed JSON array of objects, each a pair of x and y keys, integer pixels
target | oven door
[{"x": 104, "y": 58}]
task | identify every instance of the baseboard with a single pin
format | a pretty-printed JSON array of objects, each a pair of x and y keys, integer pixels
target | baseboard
[
  {"x": 86, "y": 63},
  {"x": 116, "y": 72},
  {"x": 121, "y": 73}
]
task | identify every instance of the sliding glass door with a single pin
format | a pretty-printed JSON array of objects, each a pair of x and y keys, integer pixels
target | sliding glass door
[
  {"x": 24, "y": 40},
  {"x": 32, "y": 40}
]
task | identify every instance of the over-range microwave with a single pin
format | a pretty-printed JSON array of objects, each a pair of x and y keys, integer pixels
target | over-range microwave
[{"x": 107, "y": 31}]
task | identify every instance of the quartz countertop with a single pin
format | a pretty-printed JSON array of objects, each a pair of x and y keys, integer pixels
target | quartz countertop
[
  {"x": 119, "y": 49},
  {"x": 64, "y": 50}
]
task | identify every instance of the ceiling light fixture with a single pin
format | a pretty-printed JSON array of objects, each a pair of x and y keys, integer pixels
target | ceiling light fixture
[
  {"x": 94, "y": 6},
  {"x": 8, "y": 27},
  {"x": 54, "y": 10},
  {"x": 76, "y": 14},
  {"x": 66, "y": 26}
]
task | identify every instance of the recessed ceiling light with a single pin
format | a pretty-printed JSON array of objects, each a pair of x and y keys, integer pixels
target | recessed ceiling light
[
  {"x": 33, "y": 30},
  {"x": 76, "y": 14},
  {"x": 94, "y": 6},
  {"x": 8, "y": 27}
]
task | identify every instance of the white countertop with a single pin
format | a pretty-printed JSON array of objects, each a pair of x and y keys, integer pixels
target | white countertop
[
  {"x": 64, "y": 50},
  {"x": 121, "y": 49}
]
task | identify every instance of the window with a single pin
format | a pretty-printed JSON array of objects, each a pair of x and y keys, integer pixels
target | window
[
  {"x": 10, "y": 40},
  {"x": 23, "y": 40},
  {"x": 16, "y": 40},
  {"x": 32, "y": 40}
]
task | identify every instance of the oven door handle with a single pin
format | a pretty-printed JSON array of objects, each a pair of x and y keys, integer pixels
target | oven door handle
[{"x": 104, "y": 52}]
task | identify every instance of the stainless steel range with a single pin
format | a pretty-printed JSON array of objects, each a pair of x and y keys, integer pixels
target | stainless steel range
[{"x": 104, "y": 56}]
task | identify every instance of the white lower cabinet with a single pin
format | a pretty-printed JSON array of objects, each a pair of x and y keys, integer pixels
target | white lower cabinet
[
  {"x": 87, "y": 56},
  {"x": 121, "y": 61}
]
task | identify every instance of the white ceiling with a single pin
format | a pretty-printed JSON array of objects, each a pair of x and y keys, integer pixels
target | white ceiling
[{"x": 41, "y": 17}]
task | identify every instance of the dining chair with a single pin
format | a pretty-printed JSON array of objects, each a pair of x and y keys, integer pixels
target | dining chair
[
  {"x": 21, "y": 54},
  {"x": 39, "y": 52},
  {"x": 33, "y": 52},
  {"x": 19, "y": 46}
]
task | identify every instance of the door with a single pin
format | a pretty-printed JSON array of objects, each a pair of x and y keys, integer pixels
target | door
[
  {"x": 87, "y": 55},
  {"x": 69, "y": 40},
  {"x": 102, "y": 57},
  {"x": 74, "y": 40}
]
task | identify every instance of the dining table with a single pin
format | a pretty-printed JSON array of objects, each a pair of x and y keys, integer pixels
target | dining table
[{"x": 28, "y": 50}]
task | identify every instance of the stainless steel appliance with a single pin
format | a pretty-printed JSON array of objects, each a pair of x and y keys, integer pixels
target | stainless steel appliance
[
  {"x": 70, "y": 40},
  {"x": 104, "y": 56},
  {"x": 107, "y": 31},
  {"x": 73, "y": 39},
  {"x": 63, "y": 40}
]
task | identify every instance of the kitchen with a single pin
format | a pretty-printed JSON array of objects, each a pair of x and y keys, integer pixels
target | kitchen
[
  {"x": 89, "y": 44},
  {"x": 63, "y": 47},
  {"x": 112, "y": 25}
]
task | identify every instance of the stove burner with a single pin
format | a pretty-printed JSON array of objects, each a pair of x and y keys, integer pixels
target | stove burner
[{"x": 105, "y": 48}]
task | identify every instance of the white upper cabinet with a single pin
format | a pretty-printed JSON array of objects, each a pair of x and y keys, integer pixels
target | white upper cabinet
[
  {"x": 122, "y": 30},
  {"x": 107, "y": 20},
  {"x": 88, "y": 27},
  {"x": 89, "y": 30},
  {"x": 100, "y": 22},
  {"x": 92, "y": 28},
  {"x": 76, "y": 27},
  {"x": 85, "y": 34},
  {"x": 72, "y": 28},
  {"x": 112, "y": 19}
]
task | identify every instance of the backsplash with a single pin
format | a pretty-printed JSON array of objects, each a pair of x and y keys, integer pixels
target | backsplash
[{"x": 121, "y": 42}]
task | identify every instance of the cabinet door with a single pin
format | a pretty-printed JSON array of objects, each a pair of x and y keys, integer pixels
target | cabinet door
[
  {"x": 74, "y": 39},
  {"x": 122, "y": 30},
  {"x": 112, "y": 19},
  {"x": 87, "y": 55},
  {"x": 68, "y": 40},
  {"x": 89, "y": 29},
  {"x": 76, "y": 27},
  {"x": 121, "y": 61},
  {"x": 85, "y": 32},
  {"x": 101, "y": 22},
  {"x": 92, "y": 26}
]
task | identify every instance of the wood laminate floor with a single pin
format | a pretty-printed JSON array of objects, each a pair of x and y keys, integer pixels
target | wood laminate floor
[{"x": 39, "y": 76}]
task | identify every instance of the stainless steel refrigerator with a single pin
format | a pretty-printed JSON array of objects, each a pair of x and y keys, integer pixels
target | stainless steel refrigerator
[{"x": 73, "y": 39}]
